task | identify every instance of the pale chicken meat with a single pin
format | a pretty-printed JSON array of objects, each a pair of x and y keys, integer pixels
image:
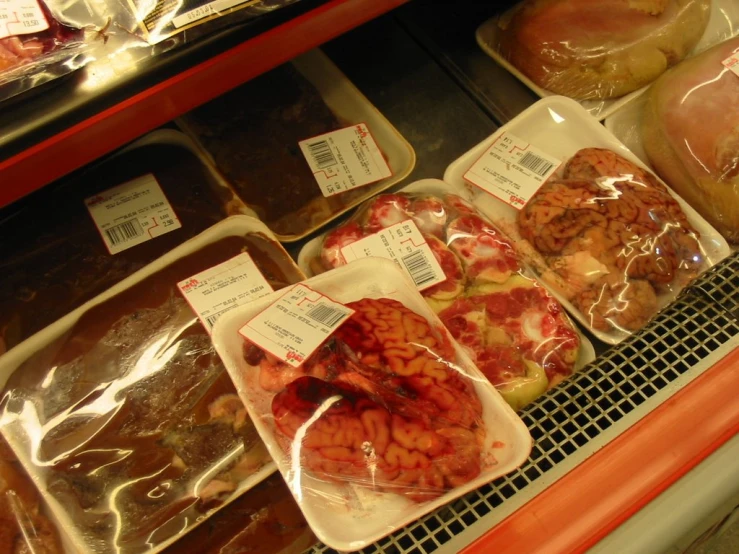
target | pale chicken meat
[{"x": 691, "y": 134}]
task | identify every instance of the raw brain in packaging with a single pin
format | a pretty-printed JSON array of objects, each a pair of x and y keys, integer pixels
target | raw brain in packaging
[
  {"x": 690, "y": 132},
  {"x": 516, "y": 333},
  {"x": 586, "y": 49},
  {"x": 380, "y": 404},
  {"x": 611, "y": 238}
]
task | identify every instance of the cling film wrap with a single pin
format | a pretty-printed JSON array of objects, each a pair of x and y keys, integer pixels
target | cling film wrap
[
  {"x": 384, "y": 421},
  {"x": 602, "y": 53},
  {"x": 190, "y": 20},
  {"x": 690, "y": 133},
  {"x": 610, "y": 238},
  {"x": 124, "y": 414},
  {"x": 517, "y": 334},
  {"x": 24, "y": 525}
]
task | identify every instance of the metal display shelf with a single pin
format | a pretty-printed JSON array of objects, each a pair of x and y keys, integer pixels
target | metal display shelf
[{"x": 66, "y": 127}]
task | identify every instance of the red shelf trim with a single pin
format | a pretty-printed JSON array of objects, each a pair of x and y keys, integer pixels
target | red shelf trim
[
  {"x": 593, "y": 499},
  {"x": 94, "y": 137}
]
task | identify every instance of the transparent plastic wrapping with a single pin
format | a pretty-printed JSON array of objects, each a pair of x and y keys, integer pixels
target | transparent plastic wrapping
[
  {"x": 252, "y": 135},
  {"x": 602, "y": 53},
  {"x": 388, "y": 418},
  {"x": 607, "y": 237},
  {"x": 158, "y": 20},
  {"x": 264, "y": 520},
  {"x": 57, "y": 259},
  {"x": 690, "y": 132},
  {"x": 123, "y": 412},
  {"x": 24, "y": 527},
  {"x": 41, "y": 40},
  {"x": 516, "y": 333}
]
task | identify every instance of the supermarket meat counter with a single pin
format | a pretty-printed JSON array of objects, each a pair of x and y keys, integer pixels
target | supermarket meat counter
[{"x": 633, "y": 452}]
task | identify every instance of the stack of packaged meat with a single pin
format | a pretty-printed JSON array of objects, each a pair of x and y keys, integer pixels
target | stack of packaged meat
[{"x": 516, "y": 333}]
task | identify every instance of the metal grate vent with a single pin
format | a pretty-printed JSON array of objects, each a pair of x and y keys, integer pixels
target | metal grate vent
[{"x": 568, "y": 417}]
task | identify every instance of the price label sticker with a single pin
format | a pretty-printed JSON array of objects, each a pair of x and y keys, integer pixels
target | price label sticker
[
  {"x": 209, "y": 9},
  {"x": 223, "y": 287},
  {"x": 404, "y": 244},
  {"x": 512, "y": 170},
  {"x": 345, "y": 159},
  {"x": 21, "y": 17},
  {"x": 732, "y": 63},
  {"x": 132, "y": 213},
  {"x": 294, "y": 326}
]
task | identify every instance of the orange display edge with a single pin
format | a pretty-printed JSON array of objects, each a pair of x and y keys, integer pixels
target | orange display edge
[
  {"x": 602, "y": 492},
  {"x": 111, "y": 128}
]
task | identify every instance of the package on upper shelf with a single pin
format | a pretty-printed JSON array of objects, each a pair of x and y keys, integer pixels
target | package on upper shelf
[
  {"x": 146, "y": 200},
  {"x": 603, "y": 54},
  {"x": 371, "y": 411},
  {"x": 122, "y": 411},
  {"x": 517, "y": 334},
  {"x": 40, "y": 40},
  {"x": 269, "y": 139}
]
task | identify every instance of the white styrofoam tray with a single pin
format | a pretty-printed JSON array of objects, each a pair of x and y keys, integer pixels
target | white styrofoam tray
[
  {"x": 349, "y": 105},
  {"x": 722, "y": 24},
  {"x": 560, "y": 127},
  {"x": 72, "y": 535},
  {"x": 347, "y": 517},
  {"x": 312, "y": 249}
]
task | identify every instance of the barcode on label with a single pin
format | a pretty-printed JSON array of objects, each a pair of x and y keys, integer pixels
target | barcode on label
[
  {"x": 211, "y": 320},
  {"x": 124, "y": 232},
  {"x": 322, "y": 154},
  {"x": 535, "y": 163},
  {"x": 327, "y": 315},
  {"x": 419, "y": 267}
]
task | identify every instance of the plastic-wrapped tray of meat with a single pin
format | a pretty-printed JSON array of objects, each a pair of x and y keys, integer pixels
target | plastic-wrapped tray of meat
[
  {"x": 122, "y": 411},
  {"x": 58, "y": 259},
  {"x": 607, "y": 237},
  {"x": 39, "y": 43},
  {"x": 385, "y": 421},
  {"x": 604, "y": 54},
  {"x": 252, "y": 133},
  {"x": 516, "y": 333}
]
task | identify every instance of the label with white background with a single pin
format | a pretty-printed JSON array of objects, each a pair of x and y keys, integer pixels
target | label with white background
[
  {"x": 404, "y": 244},
  {"x": 345, "y": 159},
  {"x": 512, "y": 170},
  {"x": 132, "y": 213},
  {"x": 207, "y": 10},
  {"x": 732, "y": 63},
  {"x": 223, "y": 287},
  {"x": 295, "y": 325},
  {"x": 21, "y": 17}
]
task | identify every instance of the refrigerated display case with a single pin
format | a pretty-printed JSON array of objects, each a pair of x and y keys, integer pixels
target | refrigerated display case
[{"x": 636, "y": 452}]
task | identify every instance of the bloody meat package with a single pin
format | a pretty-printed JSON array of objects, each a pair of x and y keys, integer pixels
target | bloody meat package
[
  {"x": 517, "y": 334},
  {"x": 386, "y": 419},
  {"x": 123, "y": 411}
]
